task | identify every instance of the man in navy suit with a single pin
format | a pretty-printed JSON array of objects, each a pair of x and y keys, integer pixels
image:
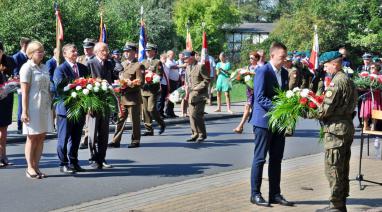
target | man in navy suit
[
  {"x": 268, "y": 78},
  {"x": 69, "y": 132},
  {"x": 20, "y": 58},
  {"x": 51, "y": 64}
]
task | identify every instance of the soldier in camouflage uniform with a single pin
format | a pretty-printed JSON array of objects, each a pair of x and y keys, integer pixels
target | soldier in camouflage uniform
[
  {"x": 150, "y": 92},
  {"x": 336, "y": 115}
]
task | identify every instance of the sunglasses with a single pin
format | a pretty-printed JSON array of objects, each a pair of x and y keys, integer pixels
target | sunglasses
[{"x": 252, "y": 58}]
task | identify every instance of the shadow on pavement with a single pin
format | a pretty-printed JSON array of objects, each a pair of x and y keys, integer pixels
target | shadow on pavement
[
  {"x": 160, "y": 170},
  {"x": 205, "y": 144},
  {"x": 350, "y": 201}
]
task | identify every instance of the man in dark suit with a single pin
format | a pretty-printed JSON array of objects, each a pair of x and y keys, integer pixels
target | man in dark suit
[
  {"x": 20, "y": 58},
  {"x": 51, "y": 64},
  {"x": 98, "y": 126},
  {"x": 69, "y": 132},
  {"x": 267, "y": 79}
]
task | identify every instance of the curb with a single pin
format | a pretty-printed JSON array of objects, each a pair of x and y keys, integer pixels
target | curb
[{"x": 16, "y": 138}]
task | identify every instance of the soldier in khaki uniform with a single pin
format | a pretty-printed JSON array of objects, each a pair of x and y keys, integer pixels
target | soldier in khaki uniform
[
  {"x": 336, "y": 115},
  {"x": 150, "y": 92},
  {"x": 131, "y": 100},
  {"x": 88, "y": 46},
  {"x": 197, "y": 79},
  {"x": 294, "y": 74}
]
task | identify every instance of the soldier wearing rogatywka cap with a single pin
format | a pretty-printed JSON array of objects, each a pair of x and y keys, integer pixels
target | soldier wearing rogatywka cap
[
  {"x": 131, "y": 100},
  {"x": 150, "y": 91},
  {"x": 197, "y": 81},
  {"x": 336, "y": 115},
  {"x": 88, "y": 45}
]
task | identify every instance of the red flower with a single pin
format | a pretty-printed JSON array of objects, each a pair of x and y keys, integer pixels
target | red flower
[
  {"x": 312, "y": 105},
  {"x": 117, "y": 90},
  {"x": 71, "y": 86},
  {"x": 319, "y": 99},
  {"x": 364, "y": 74},
  {"x": 380, "y": 79},
  {"x": 303, "y": 101}
]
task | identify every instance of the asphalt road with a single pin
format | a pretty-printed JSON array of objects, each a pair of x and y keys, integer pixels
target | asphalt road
[{"x": 159, "y": 160}]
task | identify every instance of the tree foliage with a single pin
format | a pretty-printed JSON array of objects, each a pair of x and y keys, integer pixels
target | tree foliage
[
  {"x": 214, "y": 13},
  {"x": 36, "y": 19}
]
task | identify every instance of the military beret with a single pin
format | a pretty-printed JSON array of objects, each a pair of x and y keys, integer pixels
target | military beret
[
  {"x": 89, "y": 43},
  {"x": 366, "y": 56},
  {"x": 188, "y": 54},
  {"x": 289, "y": 58},
  {"x": 329, "y": 56},
  {"x": 151, "y": 46},
  {"x": 298, "y": 54},
  {"x": 130, "y": 46},
  {"x": 116, "y": 51},
  {"x": 376, "y": 59},
  {"x": 307, "y": 53}
]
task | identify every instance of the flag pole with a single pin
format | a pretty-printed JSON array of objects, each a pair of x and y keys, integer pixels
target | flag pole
[{"x": 58, "y": 41}]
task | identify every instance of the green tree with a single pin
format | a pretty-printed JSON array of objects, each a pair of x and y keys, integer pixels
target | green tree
[{"x": 214, "y": 13}]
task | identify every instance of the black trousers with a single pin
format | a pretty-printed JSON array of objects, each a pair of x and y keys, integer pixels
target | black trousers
[
  {"x": 162, "y": 99},
  {"x": 98, "y": 132},
  {"x": 170, "y": 106}
]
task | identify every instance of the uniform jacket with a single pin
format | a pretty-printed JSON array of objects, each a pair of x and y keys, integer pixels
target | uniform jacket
[
  {"x": 19, "y": 59},
  {"x": 295, "y": 78},
  {"x": 82, "y": 59},
  {"x": 132, "y": 71},
  {"x": 155, "y": 66},
  {"x": 65, "y": 72},
  {"x": 337, "y": 109},
  {"x": 99, "y": 71},
  {"x": 198, "y": 81},
  {"x": 265, "y": 85}
]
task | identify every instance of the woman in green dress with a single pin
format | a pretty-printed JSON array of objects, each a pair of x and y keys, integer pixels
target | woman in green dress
[{"x": 223, "y": 84}]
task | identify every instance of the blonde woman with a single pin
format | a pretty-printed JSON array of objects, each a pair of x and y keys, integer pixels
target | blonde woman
[{"x": 36, "y": 104}]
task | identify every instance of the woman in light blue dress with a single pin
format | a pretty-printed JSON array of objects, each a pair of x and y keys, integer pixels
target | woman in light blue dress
[{"x": 223, "y": 84}]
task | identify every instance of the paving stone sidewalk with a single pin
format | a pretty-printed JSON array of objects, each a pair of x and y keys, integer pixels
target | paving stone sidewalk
[{"x": 303, "y": 182}]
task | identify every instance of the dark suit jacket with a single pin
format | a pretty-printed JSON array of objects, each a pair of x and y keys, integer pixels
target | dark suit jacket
[
  {"x": 99, "y": 71},
  {"x": 19, "y": 59},
  {"x": 51, "y": 64},
  {"x": 265, "y": 85},
  {"x": 65, "y": 72}
]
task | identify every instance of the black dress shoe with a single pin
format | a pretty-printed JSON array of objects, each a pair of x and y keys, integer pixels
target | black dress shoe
[
  {"x": 279, "y": 199},
  {"x": 77, "y": 168},
  {"x": 105, "y": 165},
  {"x": 148, "y": 134},
  {"x": 259, "y": 200},
  {"x": 83, "y": 146},
  {"x": 201, "y": 139},
  {"x": 192, "y": 139},
  {"x": 66, "y": 169},
  {"x": 113, "y": 145},
  {"x": 328, "y": 209},
  {"x": 162, "y": 128},
  {"x": 133, "y": 145}
]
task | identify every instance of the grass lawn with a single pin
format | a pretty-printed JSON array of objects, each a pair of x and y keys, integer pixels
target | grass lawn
[
  {"x": 238, "y": 93},
  {"x": 15, "y": 104}
]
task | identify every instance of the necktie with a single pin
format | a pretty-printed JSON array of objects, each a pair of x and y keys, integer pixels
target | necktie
[{"x": 75, "y": 71}]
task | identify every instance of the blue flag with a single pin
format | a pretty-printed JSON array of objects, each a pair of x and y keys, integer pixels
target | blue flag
[{"x": 142, "y": 43}]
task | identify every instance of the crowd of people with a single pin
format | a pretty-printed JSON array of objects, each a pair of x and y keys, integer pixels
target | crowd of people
[{"x": 148, "y": 102}]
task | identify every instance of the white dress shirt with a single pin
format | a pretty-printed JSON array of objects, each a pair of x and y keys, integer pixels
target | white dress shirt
[{"x": 277, "y": 73}]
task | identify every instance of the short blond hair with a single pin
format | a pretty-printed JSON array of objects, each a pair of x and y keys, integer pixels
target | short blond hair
[{"x": 33, "y": 47}]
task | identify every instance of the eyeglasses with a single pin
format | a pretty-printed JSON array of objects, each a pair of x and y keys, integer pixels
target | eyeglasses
[
  {"x": 252, "y": 58},
  {"x": 373, "y": 67}
]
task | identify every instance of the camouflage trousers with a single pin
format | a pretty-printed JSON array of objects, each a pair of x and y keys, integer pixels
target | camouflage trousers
[{"x": 337, "y": 169}]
